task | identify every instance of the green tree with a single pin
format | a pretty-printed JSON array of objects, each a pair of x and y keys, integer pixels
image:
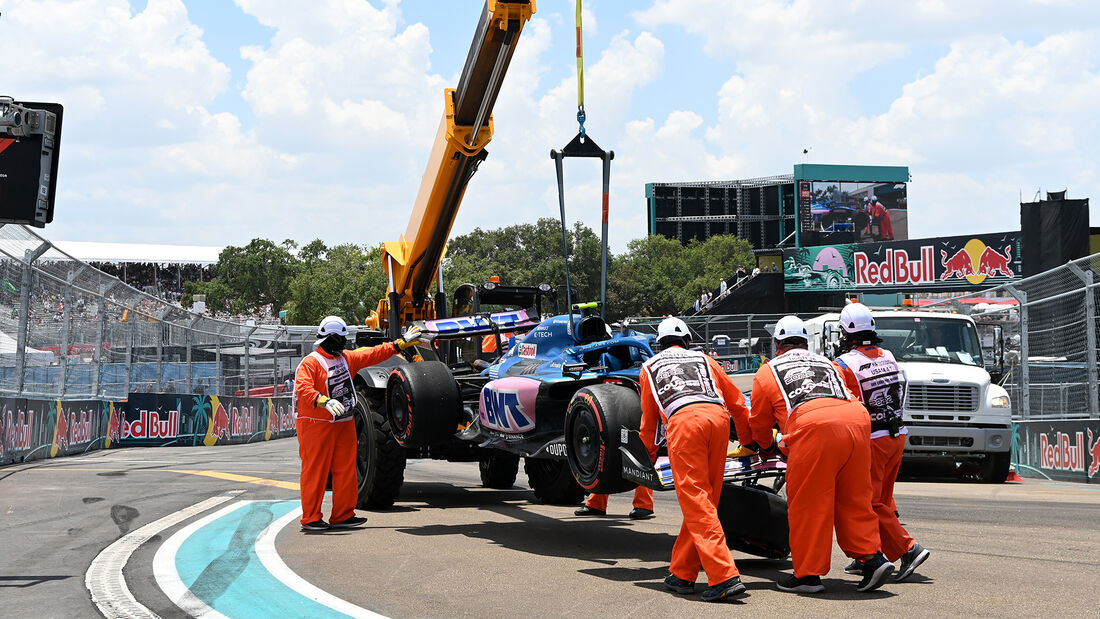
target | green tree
[
  {"x": 648, "y": 279},
  {"x": 526, "y": 255},
  {"x": 345, "y": 281},
  {"x": 707, "y": 263},
  {"x": 258, "y": 273},
  {"x": 218, "y": 294}
]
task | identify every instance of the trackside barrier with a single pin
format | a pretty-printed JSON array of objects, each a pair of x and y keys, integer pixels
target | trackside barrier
[
  {"x": 33, "y": 429},
  {"x": 1062, "y": 450}
]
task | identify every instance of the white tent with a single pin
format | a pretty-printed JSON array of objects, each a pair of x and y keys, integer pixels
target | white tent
[{"x": 32, "y": 356}]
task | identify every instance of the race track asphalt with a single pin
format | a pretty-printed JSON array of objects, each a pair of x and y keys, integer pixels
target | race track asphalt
[{"x": 452, "y": 548}]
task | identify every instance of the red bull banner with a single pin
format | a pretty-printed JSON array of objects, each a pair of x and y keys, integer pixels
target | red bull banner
[
  {"x": 35, "y": 429},
  {"x": 928, "y": 265},
  {"x": 1063, "y": 450}
]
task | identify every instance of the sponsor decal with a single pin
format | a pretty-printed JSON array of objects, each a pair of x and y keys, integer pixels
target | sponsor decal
[
  {"x": 217, "y": 425},
  {"x": 1094, "y": 453},
  {"x": 508, "y": 405},
  {"x": 149, "y": 424},
  {"x": 528, "y": 351},
  {"x": 60, "y": 432},
  {"x": 558, "y": 450},
  {"x": 114, "y": 426},
  {"x": 897, "y": 268},
  {"x": 242, "y": 417},
  {"x": 18, "y": 430},
  {"x": 1062, "y": 454}
]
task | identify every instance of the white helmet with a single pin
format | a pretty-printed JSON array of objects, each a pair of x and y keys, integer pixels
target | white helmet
[
  {"x": 332, "y": 324},
  {"x": 672, "y": 327},
  {"x": 856, "y": 317},
  {"x": 790, "y": 326}
]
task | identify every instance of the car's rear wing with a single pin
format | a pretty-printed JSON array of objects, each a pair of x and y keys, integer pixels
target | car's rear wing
[{"x": 481, "y": 324}]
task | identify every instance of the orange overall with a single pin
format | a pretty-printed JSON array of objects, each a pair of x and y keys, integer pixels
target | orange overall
[
  {"x": 693, "y": 396},
  {"x": 828, "y": 469},
  {"x": 886, "y": 452},
  {"x": 324, "y": 444},
  {"x": 643, "y": 499}
]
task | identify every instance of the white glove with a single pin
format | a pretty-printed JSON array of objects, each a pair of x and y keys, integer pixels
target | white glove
[
  {"x": 410, "y": 338},
  {"x": 334, "y": 407}
]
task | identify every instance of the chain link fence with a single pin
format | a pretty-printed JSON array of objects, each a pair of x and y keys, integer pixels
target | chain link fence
[
  {"x": 1048, "y": 326},
  {"x": 68, "y": 330}
]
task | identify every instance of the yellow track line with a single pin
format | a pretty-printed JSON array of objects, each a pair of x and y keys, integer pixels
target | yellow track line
[{"x": 248, "y": 479}]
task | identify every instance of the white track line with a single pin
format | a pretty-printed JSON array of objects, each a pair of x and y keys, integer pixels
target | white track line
[
  {"x": 269, "y": 557},
  {"x": 168, "y": 578},
  {"x": 104, "y": 578}
]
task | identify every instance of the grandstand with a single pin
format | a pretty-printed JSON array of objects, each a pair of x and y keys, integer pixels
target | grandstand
[{"x": 159, "y": 270}]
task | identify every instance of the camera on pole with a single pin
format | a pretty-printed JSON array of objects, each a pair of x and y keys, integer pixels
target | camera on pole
[{"x": 30, "y": 138}]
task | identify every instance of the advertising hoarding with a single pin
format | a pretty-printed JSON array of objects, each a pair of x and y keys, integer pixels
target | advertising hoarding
[{"x": 933, "y": 264}]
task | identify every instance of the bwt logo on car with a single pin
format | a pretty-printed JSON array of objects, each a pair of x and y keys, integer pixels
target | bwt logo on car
[
  {"x": 1063, "y": 455},
  {"x": 502, "y": 410},
  {"x": 149, "y": 425}
]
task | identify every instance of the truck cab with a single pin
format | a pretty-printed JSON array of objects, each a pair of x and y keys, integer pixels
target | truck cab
[{"x": 953, "y": 411}]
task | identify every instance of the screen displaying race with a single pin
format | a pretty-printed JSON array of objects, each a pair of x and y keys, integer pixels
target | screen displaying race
[{"x": 850, "y": 212}]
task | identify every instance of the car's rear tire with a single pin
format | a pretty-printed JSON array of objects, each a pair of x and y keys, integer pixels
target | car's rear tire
[
  {"x": 422, "y": 403},
  {"x": 754, "y": 520},
  {"x": 994, "y": 469},
  {"x": 379, "y": 460},
  {"x": 498, "y": 469},
  {"x": 552, "y": 481},
  {"x": 593, "y": 428}
]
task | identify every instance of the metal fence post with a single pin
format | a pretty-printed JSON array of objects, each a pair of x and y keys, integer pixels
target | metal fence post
[
  {"x": 161, "y": 326},
  {"x": 275, "y": 362},
  {"x": 130, "y": 355},
  {"x": 24, "y": 310},
  {"x": 190, "y": 340},
  {"x": 217, "y": 364},
  {"x": 63, "y": 349},
  {"x": 247, "y": 354},
  {"x": 1090, "y": 334},
  {"x": 1025, "y": 378}
]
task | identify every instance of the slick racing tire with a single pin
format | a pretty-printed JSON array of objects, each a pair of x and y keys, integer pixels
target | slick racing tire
[
  {"x": 754, "y": 521},
  {"x": 593, "y": 427},
  {"x": 552, "y": 482},
  {"x": 379, "y": 460},
  {"x": 422, "y": 403},
  {"x": 498, "y": 469}
]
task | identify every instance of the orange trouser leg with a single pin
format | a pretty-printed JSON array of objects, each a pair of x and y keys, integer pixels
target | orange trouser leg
[
  {"x": 697, "y": 441},
  {"x": 597, "y": 501},
  {"x": 886, "y": 455},
  {"x": 822, "y": 443},
  {"x": 856, "y": 523},
  {"x": 345, "y": 481},
  {"x": 643, "y": 498},
  {"x": 315, "y": 448}
]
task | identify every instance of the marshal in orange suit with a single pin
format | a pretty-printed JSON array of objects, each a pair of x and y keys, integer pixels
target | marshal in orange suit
[
  {"x": 826, "y": 434},
  {"x": 324, "y": 394}
]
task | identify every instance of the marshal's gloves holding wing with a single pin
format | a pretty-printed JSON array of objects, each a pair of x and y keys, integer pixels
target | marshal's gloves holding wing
[{"x": 410, "y": 338}]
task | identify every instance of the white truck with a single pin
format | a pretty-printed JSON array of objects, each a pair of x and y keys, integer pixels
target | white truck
[{"x": 954, "y": 412}]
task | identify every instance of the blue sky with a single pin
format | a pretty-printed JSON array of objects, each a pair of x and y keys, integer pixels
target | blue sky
[{"x": 212, "y": 122}]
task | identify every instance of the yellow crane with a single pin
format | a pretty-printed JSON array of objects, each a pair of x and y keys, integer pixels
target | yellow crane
[{"x": 414, "y": 263}]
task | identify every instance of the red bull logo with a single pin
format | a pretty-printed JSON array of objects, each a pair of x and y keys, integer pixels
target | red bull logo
[
  {"x": 80, "y": 427},
  {"x": 242, "y": 420},
  {"x": 976, "y": 261},
  {"x": 114, "y": 427},
  {"x": 18, "y": 429},
  {"x": 1094, "y": 453},
  {"x": 149, "y": 424},
  {"x": 60, "y": 433},
  {"x": 219, "y": 423},
  {"x": 897, "y": 268},
  {"x": 1063, "y": 455}
]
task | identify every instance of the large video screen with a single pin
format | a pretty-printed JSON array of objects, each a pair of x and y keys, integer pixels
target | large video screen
[{"x": 851, "y": 212}]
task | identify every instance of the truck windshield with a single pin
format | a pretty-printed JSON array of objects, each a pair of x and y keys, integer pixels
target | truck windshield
[{"x": 933, "y": 340}]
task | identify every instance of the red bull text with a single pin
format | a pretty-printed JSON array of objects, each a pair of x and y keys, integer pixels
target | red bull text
[
  {"x": 1062, "y": 455},
  {"x": 150, "y": 425},
  {"x": 18, "y": 430},
  {"x": 897, "y": 268}
]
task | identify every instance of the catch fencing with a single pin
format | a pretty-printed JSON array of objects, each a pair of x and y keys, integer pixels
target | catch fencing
[
  {"x": 1048, "y": 325},
  {"x": 70, "y": 331}
]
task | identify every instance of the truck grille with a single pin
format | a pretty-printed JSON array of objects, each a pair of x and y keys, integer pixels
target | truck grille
[{"x": 959, "y": 398}]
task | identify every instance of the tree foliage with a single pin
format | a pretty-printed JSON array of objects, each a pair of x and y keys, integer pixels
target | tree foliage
[
  {"x": 258, "y": 274},
  {"x": 345, "y": 281}
]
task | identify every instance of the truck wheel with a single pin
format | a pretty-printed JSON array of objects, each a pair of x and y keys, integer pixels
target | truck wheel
[
  {"x": 498, "y": 469},
  {"x": 423, "y": 403},
  {"x": 593, "y": 424},
  {"x": 552, "y": 481},
  {"x": 994, "y": 469},
  {"x": 379, "y": 460}
]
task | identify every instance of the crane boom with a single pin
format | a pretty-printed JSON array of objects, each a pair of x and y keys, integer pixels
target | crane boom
[{"x": 414, "y": 262}]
